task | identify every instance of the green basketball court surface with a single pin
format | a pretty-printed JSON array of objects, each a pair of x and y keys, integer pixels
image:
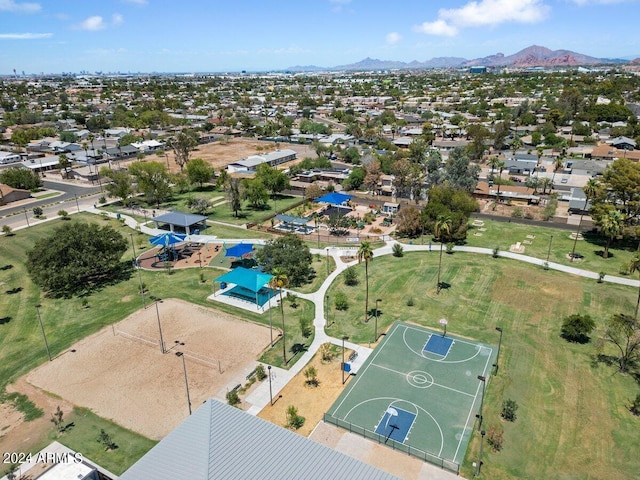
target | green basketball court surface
[{"x": 418, "y": 392}]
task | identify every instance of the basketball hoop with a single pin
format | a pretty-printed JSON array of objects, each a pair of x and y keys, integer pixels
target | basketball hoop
[{"x": 443, "y": 322}]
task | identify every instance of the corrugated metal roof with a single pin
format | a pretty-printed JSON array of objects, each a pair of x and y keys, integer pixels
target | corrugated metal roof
[{"x": 219, "y": 442}]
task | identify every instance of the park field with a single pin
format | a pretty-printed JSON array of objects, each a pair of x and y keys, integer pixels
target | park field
[{"x": 573, "y": 420}]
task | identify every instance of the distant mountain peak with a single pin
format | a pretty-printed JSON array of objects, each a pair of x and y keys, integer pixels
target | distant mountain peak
[{"x": 533, "y": 56}]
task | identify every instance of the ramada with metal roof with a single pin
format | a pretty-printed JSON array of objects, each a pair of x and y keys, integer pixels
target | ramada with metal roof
[
  {"x": 220, "y": 441},
  {"x": 180, "y": 221}
]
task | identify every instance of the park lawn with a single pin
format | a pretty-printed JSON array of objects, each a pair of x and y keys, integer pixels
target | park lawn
[
  {"x": 82, "y": 437},
  {"x": 248, "y": 214},
  {"x": 573, "y": 419},
  {"x": 67, "y": 321},
  {"x": 503, "y": 234},
  {"x": 323, "y": 265}
]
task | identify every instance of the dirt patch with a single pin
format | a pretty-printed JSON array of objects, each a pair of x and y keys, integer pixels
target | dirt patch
[
  {"x": 220, "y": 154},
  {"x": 120, "y": 373},
  {"x": 311, "y": 402}
]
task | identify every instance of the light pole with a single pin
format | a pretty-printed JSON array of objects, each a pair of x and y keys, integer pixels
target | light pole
[
  {"x": 186, "y": 382},
  {"x": 344, "y": 337},
  {"x": 375, "y": 334},
  {"x": 160, "y": 328},
  {"x": 77, "y": 204},
  {"x": 270, "y": 391},
  {"x": 499, "y": 329},
  {"x": 27, "y": 217},
  {"x": 326, "y": 308},
  {"x": 317, "y": 229},
  {"x": 46, "y": 344},
  {"x": 549, "y": 250},
  {"x": 135, "y": 264},
  {"x": 482, "y": 433},
  {"x": 270, "y": 322},
  {"x": 327, "y": 256},
  {"x": 484, "y": 384},
  {"x": 199, "y": 259}
]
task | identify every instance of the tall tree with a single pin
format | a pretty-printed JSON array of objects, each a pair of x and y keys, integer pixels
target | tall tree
[
  {"x": 153, "y": 180},
  {"x": 442, "y": 226},
  {"x": 611, "y": 225},
  {"x": 459, "y": 171},
  {"x": 365, "y": 254},
  {"x": 634, "y": 266},
  {"x": 255, "y": 192},
  {"x": 65, "y": 164},
  {"x": 290, "y": 255},
  {"x": 623, "y": 331},
  {"x": 199, "y": 171},
  {"x": 234, "y": 195},
  {"x": 279, "y": 281},
  {"x": 182, "y": 145},
  {"x": 120, "y": 185}
]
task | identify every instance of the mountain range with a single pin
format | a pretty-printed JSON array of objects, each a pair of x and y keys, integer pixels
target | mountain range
[{"x": 533, "y": 56}]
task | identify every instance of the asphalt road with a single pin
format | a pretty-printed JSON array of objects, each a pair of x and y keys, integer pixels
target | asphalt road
[{"x": 73, "y": 199}]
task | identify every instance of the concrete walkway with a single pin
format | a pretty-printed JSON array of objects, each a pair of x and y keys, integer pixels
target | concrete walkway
[{"x": 260, "y": 396}]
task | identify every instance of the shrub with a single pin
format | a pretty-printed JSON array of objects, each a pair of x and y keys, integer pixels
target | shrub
[
  {"x": 341, "y": 301},
  {"x": 6, "y": 229},
  {"x": 233, "y": 398},
  {"x": 397, "y": 249},
  {"x": 450, "y": 248},
  {"x": 57, "y": 419},
  {"x": 410, "y": 302},
  {"x": 576, "y": 328},
  {"x": 63, "y": 214},
  {"x": 260, "y": 373},
  {"x": 496, "y": 251},
  {"x": 37, "y": 212},
  {"x": 305, "y": 327},
  {"x": 517, "y": 212},
  {"x": 105, "y": 439},
  {"x": 601, "y": 276},
  {"x": 311, "y": 374},
  {"x": 494, "y": 438},
  {"x": 294, "y": 421},
  {"x": 509, "y": 408},
  {"x": 102, "y": 199},
  {"x": 350, "y": 277},
  {"x": 327, "y": 353},
  {"x": 635, "y": 405}
]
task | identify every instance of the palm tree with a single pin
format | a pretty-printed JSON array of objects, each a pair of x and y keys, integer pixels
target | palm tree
[
  {"x": 611, "y": 225},
  {"x": 278, "y": 281},
  {"x": 365, "y": 253},
  {"x": 64, "y": 163},
  {"x": 590, "y": 190},
  {"x": 442, "y": 226},
  {"x": 634, "y": 266}
]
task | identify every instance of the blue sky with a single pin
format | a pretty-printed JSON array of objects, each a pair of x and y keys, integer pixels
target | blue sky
[{"x": 214, "y": 36}]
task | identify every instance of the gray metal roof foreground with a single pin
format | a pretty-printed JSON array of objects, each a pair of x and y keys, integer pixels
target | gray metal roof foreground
[
  {"x": 220, "y": 441},
  {"x": 179, "y": 218}
]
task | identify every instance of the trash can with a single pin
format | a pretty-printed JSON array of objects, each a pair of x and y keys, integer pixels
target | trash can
[
  {"x": 223, "y": 285},
  {"x": 117, "y": 216}
]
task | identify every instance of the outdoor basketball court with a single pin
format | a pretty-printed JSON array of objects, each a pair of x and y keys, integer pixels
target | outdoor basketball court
[{"x": 418, "y": 392}]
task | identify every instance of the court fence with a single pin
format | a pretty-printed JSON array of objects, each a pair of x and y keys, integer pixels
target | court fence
[{"x": 408, "y": 449}]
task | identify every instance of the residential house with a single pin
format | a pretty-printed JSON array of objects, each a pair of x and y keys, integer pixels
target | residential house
[{"x": 9, "y": 194}]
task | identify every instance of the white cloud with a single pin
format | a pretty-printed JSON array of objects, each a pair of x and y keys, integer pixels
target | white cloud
[
  {"x": 14, "y": 7},
  {"x": 24, "y": 36},
  {"x": 93, "y": 24},
  {"x": 393, "y": 38},
  {"x": 117, "y": 19},
  {"x": 485, "y": 13},
  {"x": 136, "y": 2},
  {"x": 340, "y": 2}
]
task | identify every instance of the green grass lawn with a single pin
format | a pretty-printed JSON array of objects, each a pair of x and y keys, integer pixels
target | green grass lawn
[
  {"x": 323, "y": 265},
  {"x": 573, "y": 419},
  {"x": 503, "y": 234}
]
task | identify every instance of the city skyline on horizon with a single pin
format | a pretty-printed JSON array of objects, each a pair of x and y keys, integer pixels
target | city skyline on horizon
[{"x": 155, "y": 36}]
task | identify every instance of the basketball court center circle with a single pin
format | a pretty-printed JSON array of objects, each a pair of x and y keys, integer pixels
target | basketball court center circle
[{"x": 419, "y": 379}]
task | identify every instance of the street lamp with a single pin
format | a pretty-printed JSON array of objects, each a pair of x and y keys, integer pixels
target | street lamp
[
  {"x": 186, "y": 382},
  {"x": 327, "y": 257},
  {"x": 160, "y": 328},
  {"x": 135, "y": 264},
  {"x": 549, "y": 250},
  {"x": 77, "y": 204},
  {"x": 499, "y": 329},
  {"x": 375, "y": 335},
  {"x": 270, "y": 391},
  {"x": 482, "y": 433},
  {"x": 46, "y": 344},
  {"x": 326, "y": 308},
  {"x": 484, "y": 384},
  {"x": 27, "y": 217},
  {"x": 199, "y": 259},
  {"x": 344, "y": 337}
]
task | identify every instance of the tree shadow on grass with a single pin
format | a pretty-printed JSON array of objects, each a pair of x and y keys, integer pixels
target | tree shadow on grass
[
  {"x": 600, "y": 253},
  {"x": 6, "y": 267},
  {"x": 5, "y": 320},
  {"x": 445, "y": 286},
  {"x": 13, "y": 291}
]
